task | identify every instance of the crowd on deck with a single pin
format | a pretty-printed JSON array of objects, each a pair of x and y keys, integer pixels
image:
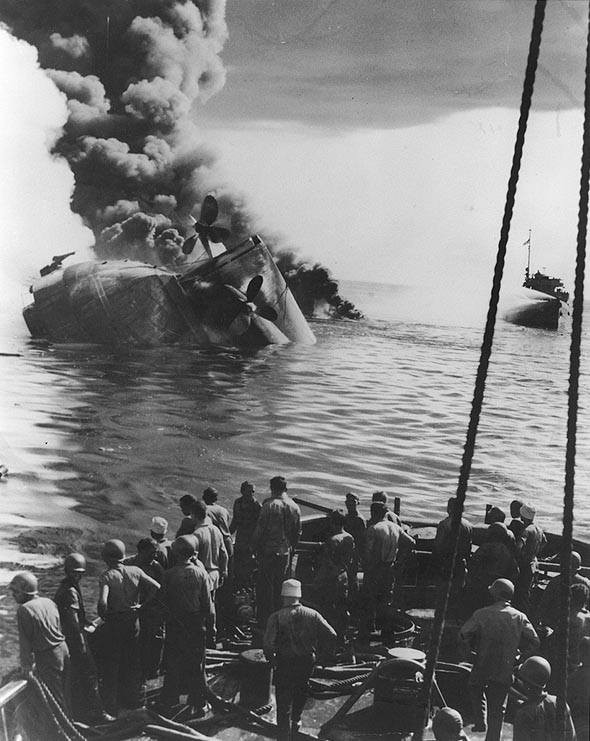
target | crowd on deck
[{"x": 160, "y": 609}]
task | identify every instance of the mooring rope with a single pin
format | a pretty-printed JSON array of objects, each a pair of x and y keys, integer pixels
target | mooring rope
[
  {"x": 572, "y": 409},
  {"x": 486, "y": 349}
]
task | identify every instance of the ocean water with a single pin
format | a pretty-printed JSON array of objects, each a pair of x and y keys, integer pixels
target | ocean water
[{"x": 98, "y": 442}]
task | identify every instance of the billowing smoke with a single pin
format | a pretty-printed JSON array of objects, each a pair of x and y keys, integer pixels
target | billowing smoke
[{"x": 133, "y": 73}]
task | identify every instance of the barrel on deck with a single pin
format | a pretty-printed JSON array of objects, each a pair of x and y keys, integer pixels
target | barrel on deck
[{"x": 255, "y": 689}]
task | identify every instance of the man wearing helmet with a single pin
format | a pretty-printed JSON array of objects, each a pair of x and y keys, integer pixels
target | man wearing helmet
[
  {"x": 85, "y": 698},
  {"x": 536, "y": 719},
  {"x": 186, "y": 593},
  {"x": 495, "y": 634},
  {"x": 41, "y": 641},
  {"x": 118, "y": 604}
]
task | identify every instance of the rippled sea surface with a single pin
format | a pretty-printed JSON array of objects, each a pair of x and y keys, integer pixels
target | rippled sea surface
[{"x": 97, "y": 443}]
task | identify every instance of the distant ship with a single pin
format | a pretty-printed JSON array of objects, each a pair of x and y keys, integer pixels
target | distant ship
[
  {"x": 542, "y": 303},
  {"x": 236, "y": 298}
]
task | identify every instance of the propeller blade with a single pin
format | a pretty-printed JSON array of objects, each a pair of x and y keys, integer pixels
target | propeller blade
[
  {"x": 189, "y": 244},
  {"x": 253, "y": 287},
  {"x": 237, "y": 293},
  {"x": 209, "y": 210},
  {"x": 267, "y": 312},
  {"x": 240, "y": 324},
  {"x": 218, "y": 233}
]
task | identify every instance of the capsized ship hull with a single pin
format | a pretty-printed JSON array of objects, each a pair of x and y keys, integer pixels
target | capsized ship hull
[
  {"x": 529, "y": 308},
  {"x": 130, "y": 303}
]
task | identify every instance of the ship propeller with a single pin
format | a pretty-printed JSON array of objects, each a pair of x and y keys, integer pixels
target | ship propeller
[
  {"x": 205, "y": 229},
  {"x": 247, "y": 309}
]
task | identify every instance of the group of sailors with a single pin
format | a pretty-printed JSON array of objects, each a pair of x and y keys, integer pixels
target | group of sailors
[{"x": 159, "y": 609}]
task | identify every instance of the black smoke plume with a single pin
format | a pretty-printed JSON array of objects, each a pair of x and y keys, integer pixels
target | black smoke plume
[{"x": 133, "y": 72}]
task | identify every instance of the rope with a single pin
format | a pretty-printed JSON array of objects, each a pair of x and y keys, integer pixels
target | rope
[
  {"x": 572, "y": 417},
  {"x": 486, "y": 349}
]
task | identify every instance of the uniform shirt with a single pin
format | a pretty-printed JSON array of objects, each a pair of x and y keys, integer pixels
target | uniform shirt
[
  {"x": 382, "y": 541},
  {"x": 278, "y": 527},
  {"x": 296, "y": 631},
  {"x": 39, "y": 628},
  {"x": 532, "y": 539},
  {"x": 341, "y": 550},
  {"x": 245, "y": 517},
  {"x": 186, "y": 590},
  {"x": 443, "y": 543},
  {"x": 70, "y": 605},
  {"x": 211, "y": 551},
  {"x": 495, "y": 633},
  {"x": 355, "y": 525},
  {"x": 536, "y": 720},
  {"x": 219, "y": 516},
  {"x": 163, "y": 553},
  {"x": 124, "y": 583}
]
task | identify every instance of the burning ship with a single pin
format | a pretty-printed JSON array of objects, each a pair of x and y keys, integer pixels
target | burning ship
[{"x": 237, "y": 297}]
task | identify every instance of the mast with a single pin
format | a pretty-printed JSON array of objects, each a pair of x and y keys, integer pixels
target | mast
[{"x": 528, "y": 262}]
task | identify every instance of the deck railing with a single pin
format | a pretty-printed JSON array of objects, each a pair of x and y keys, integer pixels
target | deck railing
[{"x": 7, "y": 693}]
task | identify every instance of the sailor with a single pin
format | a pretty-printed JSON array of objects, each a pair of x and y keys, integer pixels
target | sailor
[
  {"x": 330, "y": 586},
  {"x": 536, "y": 719},
  {"x": 447, "y": 725},
  {"x": 186, "y": 595},
  {"x": 579, "y": 628},
  {"x": 578, "y": 691},
  {"x": 158, "y": 531},
  {"x": 187, "y": 504},
  {"x": 86, "y": 704},
  {"x": 151, "y": 618},
  {"x": 549, "y": 612},
  {"x": 119, "y": 604},
  {"x": 355, "y": 524},
  {"x": 211, "y": 552},
  {"x": 529, "y": 546},
  {"x": 293, "y": 636},
  {"x": 444, "y": 546},
  {"x": 384, "y": 537},
  {"x": 494, "y": 559},
  {"x": 42, "y": 643},
  {"x": 516, "y": 525},
  {"x": 219, "y": 516},
  {"x": 495, "y": 634},
  {"x": 245, "y": 516},
  {"x": 274, "y": 540}
]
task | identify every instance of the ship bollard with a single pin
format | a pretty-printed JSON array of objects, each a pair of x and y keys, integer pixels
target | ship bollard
[{"x": 255, "y": 681}]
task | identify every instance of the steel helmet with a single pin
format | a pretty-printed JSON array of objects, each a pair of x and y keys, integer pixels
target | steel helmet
[
  {"x": 24, "y": 582},
  {"x": 184, "y": 546},
  {"x": 535, "y": 671},
  {"x": 75, "y": 563},
  {"x": 502, "y": 589},
  {"x": 447, "y": 721},
  {"x": 113, "y": 550}
]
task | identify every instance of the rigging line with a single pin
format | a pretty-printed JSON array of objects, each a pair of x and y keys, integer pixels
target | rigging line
[
  {"x": 572, "y": 407},
  {"x": 482, "y": 370}
]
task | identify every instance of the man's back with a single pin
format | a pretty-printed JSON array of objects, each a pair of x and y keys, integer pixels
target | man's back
[
  {"x": 123, "y": 582},
  {"x": 296, "y": 630},
  {"x": 495, "y": 632},
  {"x": 245, "y": 517},
  {"x": 279, "y": 525},
  {"x": 39, "y": 624},
  {"x": 211, "y": 550},
  {"x": 186, "y": 589},
  {"x": 443, "y": 544},
  {"x": 536, "y": 720},
  {"x": 532, "y": 540},
  {"x": 382, "y": 541}
]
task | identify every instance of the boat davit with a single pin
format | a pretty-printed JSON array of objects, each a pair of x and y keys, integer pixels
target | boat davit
[{"x": 237, "y": 298}]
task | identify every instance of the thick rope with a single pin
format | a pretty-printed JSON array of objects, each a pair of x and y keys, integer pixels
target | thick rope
[
  {"x": 486, "y": 349},
  {"x": 572, "y": 409}
]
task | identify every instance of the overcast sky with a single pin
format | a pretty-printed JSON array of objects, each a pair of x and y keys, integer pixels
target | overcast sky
[{"x": 376, "y": 136}]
